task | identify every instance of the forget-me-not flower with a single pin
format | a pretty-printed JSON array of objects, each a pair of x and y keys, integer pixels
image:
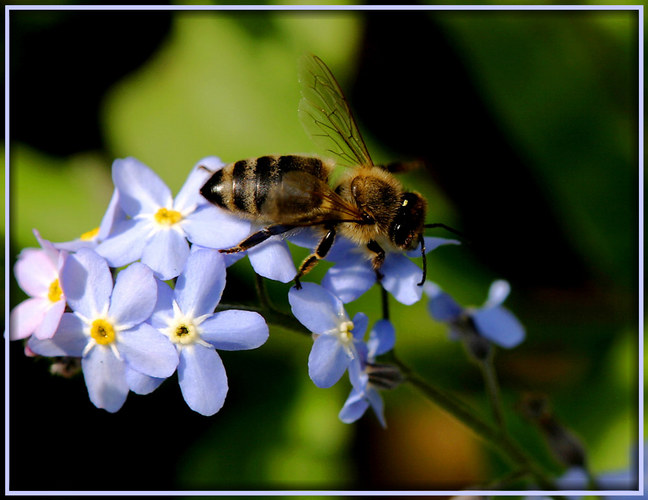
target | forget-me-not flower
[
  {"x": 185, "y": 315},
  {"x": 159, "y": 226},
  {"x": 38, "y": 274},
  {"x": 353, "y": 274},
  {"x": 492, "y": 321},
  {"x": 107, "y": 327},
  {"x": 336, "y": 337},
  {"x": 367, "y": 376}
]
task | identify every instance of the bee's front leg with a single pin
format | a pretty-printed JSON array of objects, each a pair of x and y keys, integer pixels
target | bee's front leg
[
  {"x": 259, "y": 237},
  {"x": 378, "y": 259},
  {"x": 320, "y": 252}
]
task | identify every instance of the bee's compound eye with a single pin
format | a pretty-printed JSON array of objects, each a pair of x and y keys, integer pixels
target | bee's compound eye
[{"x": 401, "y": 235}]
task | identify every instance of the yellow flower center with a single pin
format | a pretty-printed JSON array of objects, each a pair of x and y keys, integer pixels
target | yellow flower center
[
  {"x": 167, "y": 217},
  {"x": 55, "y": 292},
  {"x": 184, "y": 333},
  {"x": 90, "y": 235},
  {"x": 102, "y": 332}
]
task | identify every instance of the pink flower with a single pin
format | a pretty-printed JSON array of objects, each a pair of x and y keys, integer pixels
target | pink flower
[{"x": 37, "y": 272}]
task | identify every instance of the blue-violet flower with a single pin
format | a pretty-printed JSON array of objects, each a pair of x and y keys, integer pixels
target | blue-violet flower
[
  {"x": 107, "y": 327},
  {"x": 492, "y": 321},
  {"x": 336, "y": 337},
  {"x": 185, "y": 315},
  {"x": 159, "y": 226}
]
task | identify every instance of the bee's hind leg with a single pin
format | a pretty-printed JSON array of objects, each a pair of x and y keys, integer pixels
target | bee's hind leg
[
  {"x": 378, "y": 259},
  {"x": 259, "y": 237},
  {"x": 320, "y": 252}
]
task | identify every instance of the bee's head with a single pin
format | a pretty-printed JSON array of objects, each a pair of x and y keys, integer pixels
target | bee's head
[{"x": 407, "y": 226}]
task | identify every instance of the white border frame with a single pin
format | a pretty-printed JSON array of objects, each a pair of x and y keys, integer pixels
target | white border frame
[{"x": 637, "y": 8}]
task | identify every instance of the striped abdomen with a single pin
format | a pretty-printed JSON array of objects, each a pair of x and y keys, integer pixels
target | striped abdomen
[{"x": 243, "y": 187}]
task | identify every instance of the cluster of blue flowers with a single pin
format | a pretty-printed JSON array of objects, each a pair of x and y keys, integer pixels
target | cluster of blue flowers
[{"x": 106, "y": 299}]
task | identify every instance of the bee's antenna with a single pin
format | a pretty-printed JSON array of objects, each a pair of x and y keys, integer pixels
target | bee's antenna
[{"x": 422, "y": 241}]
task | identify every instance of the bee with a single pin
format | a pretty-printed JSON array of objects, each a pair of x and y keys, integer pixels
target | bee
[{"x": 366, "y": 204}]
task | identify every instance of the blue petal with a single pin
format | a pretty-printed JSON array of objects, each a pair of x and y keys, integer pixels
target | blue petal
[
  {"x": 126, "y": 242},
  {"x": 401, "y": 278},
  {"x": 497, "y": 293},
  {"x": 360, "y": 324},
  {"x": 212, "y": 227},
  {"x": 134, "y": 296},
  {"x": 163, "y": 313},
  {"x": 345, "y": 251},
  {"x": 202, "y": 378},
  {"x": 69, "y": 339},
  {"x": 166, "y": 253},
  {"x": 354, "y": 407},
  {"x": 113, "y": 215},
  {"x": 272, "y": 259},
  {"x": 105, "y": 378},
  {"x": 305, "y": 237},
  {"x": 316, "y": 308},
  {"x": 500, "y": 326},
  {"x": 140, "y": 189},
  {"x": 444, "y": 308},
  {"x": 327, "y": 361},
  {"x": 86, "y": 282},
  {"x": 200, "y": 286},
  {"x": 148, "y": 351},
  {"x": 235, "y": 330},
  {"x": 376, "y": 402},
  {"x": 349, "y": 279},
  {"x": 358, "y": 376},
  {"x": 140, "y": 383},
  {"x": 381, "y": 338}
]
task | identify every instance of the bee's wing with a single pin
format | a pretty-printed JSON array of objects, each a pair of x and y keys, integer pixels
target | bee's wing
[
  {"x": 326, "y": 116},
  {"x": 305, "y": 200}
]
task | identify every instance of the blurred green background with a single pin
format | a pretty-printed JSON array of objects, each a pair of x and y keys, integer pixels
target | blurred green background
[{"x": 527, "y": 123}]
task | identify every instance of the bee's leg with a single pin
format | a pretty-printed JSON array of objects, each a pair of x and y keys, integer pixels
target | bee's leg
[
  {"x": 258, "y": 237},
  {"x": 422, "y": 242},
  {"x": 378, "y": 259},
  {"x": 320, "y": 252}
]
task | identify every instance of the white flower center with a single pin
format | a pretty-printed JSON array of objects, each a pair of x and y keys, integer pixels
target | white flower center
[
  {"x": 183, "y": 330},
  {"x": 345, "y": 335}
]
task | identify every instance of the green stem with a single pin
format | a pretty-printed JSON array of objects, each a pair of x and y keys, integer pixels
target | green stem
[
  {"x": 262, "y": 292},
  {"x": 501, "y": 442},
  {"x": 492, "y": 389},
  {"x": 496, "y": 436}
]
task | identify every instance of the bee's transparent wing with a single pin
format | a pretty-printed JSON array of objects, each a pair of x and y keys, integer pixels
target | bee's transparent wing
[{"x": 326, "y": 116}]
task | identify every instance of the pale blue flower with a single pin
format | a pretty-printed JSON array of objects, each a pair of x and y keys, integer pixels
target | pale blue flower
[
  {"x": 159, "y": 226},
  {"x": 367, "y": 376},
  {"x": 185, "y": 315},
  {"x": 107, "y": 327},
  {"x": 352, "y": 275},
  {"x": 492, "y": 321},
  {"x": 336, "y": 337}
]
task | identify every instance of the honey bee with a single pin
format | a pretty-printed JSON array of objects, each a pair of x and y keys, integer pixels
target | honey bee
[{"x": 367, "y": 204}]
